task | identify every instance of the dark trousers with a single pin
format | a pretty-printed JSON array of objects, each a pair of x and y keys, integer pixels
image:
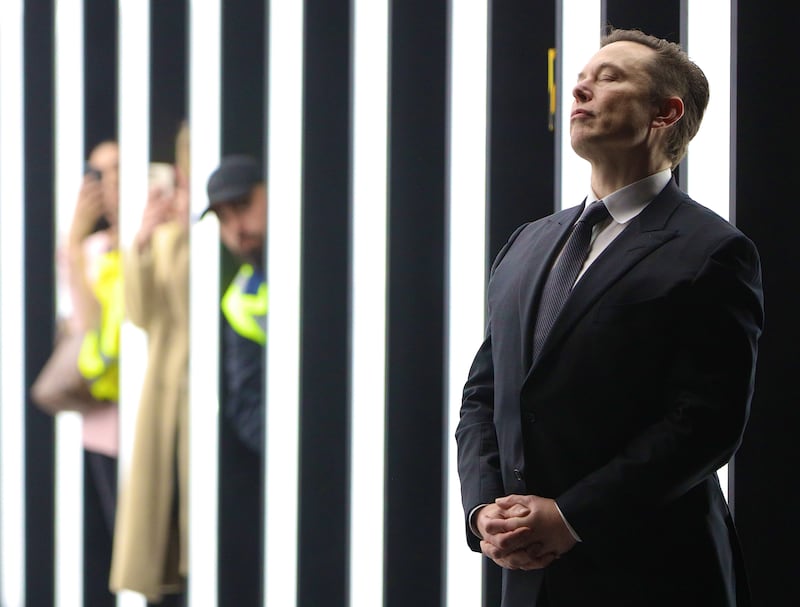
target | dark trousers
[
  {"x": 241, "y": 551},
  {"x": 171, "y": 600},
  {"x": 99, "y": 506}
]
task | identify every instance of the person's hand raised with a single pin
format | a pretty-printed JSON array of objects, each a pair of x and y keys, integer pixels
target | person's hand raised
[
  {"x": 159, "y": 209},
  {"x": 88, "y": 210}
]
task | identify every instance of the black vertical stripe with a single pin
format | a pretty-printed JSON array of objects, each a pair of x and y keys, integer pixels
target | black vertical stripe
[
  {"x": 168, "y": 76},
  {"x": 39, "y": 294},
  {"x": 243, "y": 77},
  {"x": 415, "y": 416},
  {"x": 243, "y": 82},
  {"x": 100, "y": 124},
  {"x": 661, "y": 19},
  {"x": 521, "y": 159},
  {"x": 324, "y": 340},
  {"x": 240, "y": 557},
  {"x": 99, "y": 72},
  {"x": 767, "y": 496}
]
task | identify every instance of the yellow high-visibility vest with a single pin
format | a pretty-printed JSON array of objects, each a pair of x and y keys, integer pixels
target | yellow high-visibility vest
[
  {"x": 98, "y": 360},
  {"x": 245, "y": 304}
]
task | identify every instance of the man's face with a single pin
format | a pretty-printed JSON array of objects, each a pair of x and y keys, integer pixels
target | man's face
[
  {"x": 612, "y": 110},
  {"x": 105, "y": 159},
  {"x": 243, "y": 225}
]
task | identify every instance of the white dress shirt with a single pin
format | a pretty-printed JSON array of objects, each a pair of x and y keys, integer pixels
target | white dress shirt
[{"x": 623, "y": 205}]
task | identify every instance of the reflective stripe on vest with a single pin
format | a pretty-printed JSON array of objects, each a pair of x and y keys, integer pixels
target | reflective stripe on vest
[{"x": 245, "y": 304}]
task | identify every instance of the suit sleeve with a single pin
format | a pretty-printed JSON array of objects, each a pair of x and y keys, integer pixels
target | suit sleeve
[
  {"x": 476, "y": 437},
  {"x": 478, "y": 453},
  {"x": 708, "y": 386}
]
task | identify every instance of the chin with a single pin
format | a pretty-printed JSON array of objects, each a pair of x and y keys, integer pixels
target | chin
[
  {"x": 581, "y": 148},
  {"x": 255, "y": 258}
]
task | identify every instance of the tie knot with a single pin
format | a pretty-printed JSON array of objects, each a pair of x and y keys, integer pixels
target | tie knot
[{"x": 594, "y": 213}]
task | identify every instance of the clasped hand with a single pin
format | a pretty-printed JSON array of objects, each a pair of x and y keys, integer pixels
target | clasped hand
[{"x": 523, "y": 532}]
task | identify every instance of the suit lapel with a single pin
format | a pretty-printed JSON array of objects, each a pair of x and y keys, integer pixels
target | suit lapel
[
  {"x": 540, "y": 259},
  {"x": 646, "y": 233}
]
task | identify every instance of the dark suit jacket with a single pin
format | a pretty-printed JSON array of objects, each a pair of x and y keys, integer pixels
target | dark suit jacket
[{"x": 641, "y": 392}]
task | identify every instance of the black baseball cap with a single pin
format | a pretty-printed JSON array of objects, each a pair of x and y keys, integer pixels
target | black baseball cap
[{"x": 233, "y": 179}]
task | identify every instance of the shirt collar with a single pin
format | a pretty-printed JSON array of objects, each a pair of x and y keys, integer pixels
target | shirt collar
[{"x": 626, "y": 203}]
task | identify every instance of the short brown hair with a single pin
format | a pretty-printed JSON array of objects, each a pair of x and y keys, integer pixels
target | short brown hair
[{"x": 671, "y": 73}]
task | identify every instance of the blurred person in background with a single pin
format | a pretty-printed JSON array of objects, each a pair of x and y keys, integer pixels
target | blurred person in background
[
  {"x": 150, "y": 541},
  {"x": 92, "y": 267},
  {"x": 237, "y": 197}
]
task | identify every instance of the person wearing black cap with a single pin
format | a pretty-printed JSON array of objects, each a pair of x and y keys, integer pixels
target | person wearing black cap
[{"x": 237, "y": 197}]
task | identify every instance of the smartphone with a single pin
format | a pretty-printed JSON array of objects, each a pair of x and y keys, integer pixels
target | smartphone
[
  {"x": 95, "y": 175},
  {"x": 162, "y": 175},
  {"x": 92, "y": 172}
]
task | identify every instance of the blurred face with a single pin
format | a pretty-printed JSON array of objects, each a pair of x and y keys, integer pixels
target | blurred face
[
  {"x": 612, "y": 110},
  {"x": 243, "y": 225},
  {"x": 105, "y": 159}
]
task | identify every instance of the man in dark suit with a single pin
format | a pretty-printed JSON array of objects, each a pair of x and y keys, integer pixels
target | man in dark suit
[{"x": 589, "y": 440}]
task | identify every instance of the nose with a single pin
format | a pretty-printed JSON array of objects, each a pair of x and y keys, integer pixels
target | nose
[{"x": 581, "y": 92}]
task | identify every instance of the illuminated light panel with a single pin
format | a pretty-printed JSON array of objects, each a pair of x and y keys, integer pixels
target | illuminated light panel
[
  {"x": 12, "y": 313},
  {"x": 708, "y": 162},
  {"x": 368, "y": 321},
  {"x": 579, "y": 39},
  {"x": 466, "y": 264},
  {"x": 283, "y": 345},
  {"x": 204, "y": 296},
  {"x": 69, "y": 157}
]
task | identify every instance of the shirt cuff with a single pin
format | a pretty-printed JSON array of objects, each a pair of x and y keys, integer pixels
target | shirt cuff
[
  {"x": 566, "y": 522},
  {"x": 472, "y": 525}
]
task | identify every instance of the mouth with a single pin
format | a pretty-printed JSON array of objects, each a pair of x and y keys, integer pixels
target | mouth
[{"x": 579, "y": 113}]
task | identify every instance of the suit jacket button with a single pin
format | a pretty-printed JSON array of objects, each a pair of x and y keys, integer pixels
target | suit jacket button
[
  {"x": 532, "y": 417},
  {"x": 517, "y": 474}
]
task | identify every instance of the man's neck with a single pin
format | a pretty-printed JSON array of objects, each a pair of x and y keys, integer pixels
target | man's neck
[{"x": 607, "y": 179}]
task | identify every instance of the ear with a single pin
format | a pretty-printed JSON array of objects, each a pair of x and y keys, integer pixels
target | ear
[{"x": 668, "y": 113}]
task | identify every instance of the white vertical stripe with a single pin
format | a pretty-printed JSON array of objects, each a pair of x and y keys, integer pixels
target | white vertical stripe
[
  {"x": 579, "y": 40},
  {"x": 709, "y": 160},
  {"x": 284, "y": 150},
  {"x": 134, "y": 119},
  {"x": 69, "y": 155},
  {"x": 12, "y": 312},
  {"x": 368, "y": 365},
  {"x": 69, "y": 511},
  {"x": 466, "y": 262},
  {"x": 369, "y": 217},
  {"x": 204, "y": 125}
]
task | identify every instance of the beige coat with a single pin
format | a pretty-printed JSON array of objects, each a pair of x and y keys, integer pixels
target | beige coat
[{"x": 150, "y": 547}]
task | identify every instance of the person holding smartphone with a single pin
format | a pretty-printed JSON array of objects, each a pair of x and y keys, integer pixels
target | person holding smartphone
[{"x": 90, "y": 266}]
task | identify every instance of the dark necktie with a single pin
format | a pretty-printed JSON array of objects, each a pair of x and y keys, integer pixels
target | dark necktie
[{"x": 562, "y": 276}]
